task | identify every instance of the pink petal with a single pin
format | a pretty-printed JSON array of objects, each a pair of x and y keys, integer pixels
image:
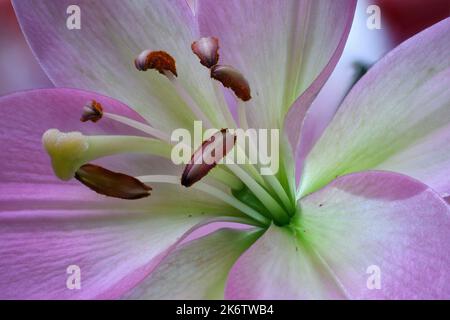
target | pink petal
[
  {"x": 27, "y": 115},
  {"x": 100, "y": 56},
  {"x": 45, "y": 228},
  {"x": 198, "y": 269},
  {"x": 277, "y": 266},
  {"x": 114, "y": 250},
  {"x": 47, "y": 225},
  {"x": 345, "y": 231},
  {"x": 282, "y": 48},
  {"x": 396, "y": 118}
]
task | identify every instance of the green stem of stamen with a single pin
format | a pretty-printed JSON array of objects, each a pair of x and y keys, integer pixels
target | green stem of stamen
[
  {"x": 275, "y": 209},
  {"x": 211, "y": 191},
  {"x": 139, "y": 126},
  {"x": 223, "y": 105},
  {"x": 242, "y": 115},
  {"x": 271, "y": 180},
  {"x": 186, "y": 97}
]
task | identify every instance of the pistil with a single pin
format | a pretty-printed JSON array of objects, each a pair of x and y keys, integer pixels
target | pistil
[{"x": 69, "y": 151}]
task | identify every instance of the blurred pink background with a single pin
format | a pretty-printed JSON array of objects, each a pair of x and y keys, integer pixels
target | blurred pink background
[{"x": 19, "y": 69}]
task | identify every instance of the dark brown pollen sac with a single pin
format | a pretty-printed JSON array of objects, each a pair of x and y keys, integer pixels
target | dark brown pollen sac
[
  {"x": 92, "y": 111},
  {"x": 207, "y": 156},
  {"x": 207, "y": 50},
  {"x": 158, "y": 60},
  {"x": 233, "y": 79},
  {"x": 111, "y": 184}
]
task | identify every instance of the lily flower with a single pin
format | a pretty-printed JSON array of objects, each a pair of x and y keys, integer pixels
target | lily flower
[{"x": 368, "y": 195}]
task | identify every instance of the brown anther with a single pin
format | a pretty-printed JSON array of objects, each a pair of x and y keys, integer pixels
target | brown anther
[
  {"x": 207, "y": 49},
  {"x": 158, "y": 60},
  {"x": 233, "y": 79},
  {"x": 92, "y": 111},
  {"x": 207, "y": 156},
  {"x": 111, "y": 184}
]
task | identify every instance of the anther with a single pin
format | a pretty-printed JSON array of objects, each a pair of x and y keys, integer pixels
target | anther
[
  {"x": 207, "y": 156},
  {"x": 233, "y": 79},
  {"x": 110, "y": 183},
  {"x": 92, "y": 111},
  {"x": 158, "y": 60},
  {"x": 207, "y": 49}
]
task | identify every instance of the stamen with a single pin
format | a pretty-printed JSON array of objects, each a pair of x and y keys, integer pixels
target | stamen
[
  {"x": 185, "y": 96},
  {"x": 207, "y": 156},
  {"x": 139, "y": 126},
  {"x": 214, "y": 192},
  {"x": 207, "y": 49},
  {"x": 275, "y": 209},
  {"x": 233, "y": 79},
  {"x": 158, "y": 60},
  {"x": 92, "y": 111},
  {"x": 242, "y": 115},
  {"x": 111, "y": 184},
  {"x": 165, "y": 64},
  {"x": 222, "y": 104}
]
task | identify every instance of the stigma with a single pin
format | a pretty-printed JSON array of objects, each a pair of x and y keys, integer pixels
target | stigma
[
  {"x": 66, "y": 151},
  {"x": 70, "y": 153}
]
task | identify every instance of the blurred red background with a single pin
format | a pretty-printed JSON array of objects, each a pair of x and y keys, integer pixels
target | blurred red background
[{"x": 405, "y": 18}]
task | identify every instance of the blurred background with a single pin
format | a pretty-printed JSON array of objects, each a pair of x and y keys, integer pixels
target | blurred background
[
  {"x": 400, "y": 19},
  {"x": 19, "y": 69}
]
